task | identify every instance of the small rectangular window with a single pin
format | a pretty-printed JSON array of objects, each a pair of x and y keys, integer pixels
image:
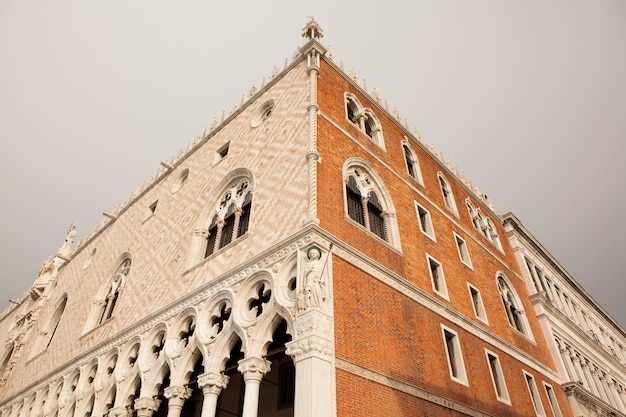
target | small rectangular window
[
  {"x": 534, "y": 394},
  {"x": 425, "y": 221},
  {"x": 462, "y": 249},
  {"x": 223, "y": 151},
  {"x": 554, "y": 405},
  {"x": 477, "y": 303},
  {"x": 454, "y": 356},
  {"x": 437, "y": 278},
  {"x": 497, "y": 377}
]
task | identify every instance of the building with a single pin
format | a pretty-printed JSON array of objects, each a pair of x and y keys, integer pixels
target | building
[
  {"x": 307, "y": 248},
  {"x": 588, "y": 346}
]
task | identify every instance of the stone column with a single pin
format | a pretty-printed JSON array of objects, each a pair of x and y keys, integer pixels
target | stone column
[
  {"x": 577, "y": 367},
  {"x": 238, "y": 211},
  {"x": 176, "y": 397},
  {"x": 589, "y": 383},
  {"x": 212, "y": 385},
  {"x": 146, "y": 406},
  {"x": 312, "y": 355},
  {"x": 366, "y": 217},
  {"x": 613, "y": 390},
  {"x": 253, "y": 369}
]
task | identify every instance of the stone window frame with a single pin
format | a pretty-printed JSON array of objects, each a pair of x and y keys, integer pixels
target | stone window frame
[
  {"x": 476, "y": 298},
  {"x": 46, "y": 334},
  {"x": 454, "y": 355},
  {"x": 217, "y": 209},
  {"x": 463, "y": 251},
  {"x": 447, "y": 194},
  {"x": 109, "y": 293},
  {"x": 437, "y": 277},
  {"x": 552, "y": 400},
  {"x": 425, "y": 221},
  {"x": 533, "y": 392},
  {"x": 497, "y": 377},
  {"x": 512, "y": 306},
  {"x": 369, "y": 184},
  {"x": 411, "y": 162},
  {"x": 364, "y": 119},
  {"x": 483, "y": 224}
]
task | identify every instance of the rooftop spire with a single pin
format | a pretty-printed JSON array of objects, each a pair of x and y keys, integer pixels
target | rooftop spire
[{"x": 312, "y": 30}]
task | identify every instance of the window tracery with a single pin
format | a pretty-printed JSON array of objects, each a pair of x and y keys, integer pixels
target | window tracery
[
  {"x": 448, "y": 196},
  {"x": 231, "y": 217},
  {"x": 116, "y": 286},
  {"x": 364, "y": 118},
  {"x": 364, "y": 203},
  {"x": 483, "y": 224},
  {"x": 512, "y": 305},
  {"x": 412, "y": 164}
]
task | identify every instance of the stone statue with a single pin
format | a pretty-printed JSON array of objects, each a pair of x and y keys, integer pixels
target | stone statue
[{"x": 314, "y": 283}]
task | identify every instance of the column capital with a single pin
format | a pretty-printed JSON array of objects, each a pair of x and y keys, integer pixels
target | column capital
[
  {"x": 177, "y": 395},
  {"x": 253, "y": 368},
  {"x": 212, "y": 382},
  {"x": 146, "y": 406},
  {"x": 311, "y": 346},
  {"x": 118, "y": 412}
]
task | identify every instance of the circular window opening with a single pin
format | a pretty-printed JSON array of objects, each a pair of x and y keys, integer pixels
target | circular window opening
[{"x": 263, "y": 113}]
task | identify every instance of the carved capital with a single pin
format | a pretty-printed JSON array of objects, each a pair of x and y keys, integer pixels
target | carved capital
[
  {"x": 253, "y": 368},
  {"x": 118, "y": 412},
  {"x": 146, "y": 406},
  {"x": 177, "y": 395},
  {"x": 213, "y": 382},
  {"x": 311, "y": 347}
]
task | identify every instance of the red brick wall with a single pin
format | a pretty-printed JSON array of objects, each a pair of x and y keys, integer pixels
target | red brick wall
[{"x": 380, "y": 329}]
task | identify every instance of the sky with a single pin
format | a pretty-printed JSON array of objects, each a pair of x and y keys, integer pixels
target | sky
[{"x": 528, "y": 99}]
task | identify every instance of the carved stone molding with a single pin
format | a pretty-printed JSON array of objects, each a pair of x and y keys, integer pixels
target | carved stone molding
[
  {"x": 146, "y": 406},
  {"x": 177, "y": 395},
  {"x": 312, "y": 346},
  {"x": 118, "y": 412},
  {"x": 253, "y": 368},
  {"x": 213, "y": 382}
]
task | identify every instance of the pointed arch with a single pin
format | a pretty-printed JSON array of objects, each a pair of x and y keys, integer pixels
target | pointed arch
[
  {"x": 226, "y": 216},
  {"x": 411, "y": 162},
  {"x": 47, "y": 333},
  {"x": 448, "y": 195},
  {"x": 368, "y": 203},
  {"x": 512, "y": 305}
]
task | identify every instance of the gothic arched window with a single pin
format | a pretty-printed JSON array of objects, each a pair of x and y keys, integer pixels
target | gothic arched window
[
  {"x": 448, "y": 197},
  {"x": 483, "y": 225},
  {"x": 231, "y": 216},
  {"x": 363, "y": 118},
  {"x": 368, "y": 205},
  {"x": 47, "y": 333},
  {"x": 116, "y": 285},
  {"x": 512, "y": 305},
  {"x": 412, "y": 165}
]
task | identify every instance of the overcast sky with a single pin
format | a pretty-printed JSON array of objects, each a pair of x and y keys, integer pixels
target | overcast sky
[{"x": 527, "y": 98}]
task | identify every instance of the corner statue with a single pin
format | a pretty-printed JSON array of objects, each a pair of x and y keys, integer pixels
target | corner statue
[{"x": 314, "y": 291}]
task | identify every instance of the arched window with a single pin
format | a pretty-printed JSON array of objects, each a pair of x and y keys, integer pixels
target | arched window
[
  {"x": 116, "y": 285},
  {"x": 5, "y": 361},
  {"x": 46, "y": 334},
  {"x": 363, "y": 118},
  {"x": 512, "y": 305},
  {"x": 231, "y": 216},
  {"x": 448, "y": 197},
  {"x": 368, "y": 204},
  {"x": 412, "y": 165},
  {"x": 352, "y": 110},
  {"x": 483, "y": 225}
]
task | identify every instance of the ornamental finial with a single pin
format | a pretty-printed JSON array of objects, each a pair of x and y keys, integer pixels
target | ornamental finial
[{"x": 312, "y": 30}]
